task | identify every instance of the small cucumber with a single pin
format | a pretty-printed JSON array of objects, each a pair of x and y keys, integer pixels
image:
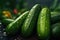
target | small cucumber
[
  {"x": 43, "y": 24},
  {"x": 13, "y": 27},
  {"x": 30, "y": 22},
  {"x": 55, "y": 17},
  {"x": 7, "y": 21}
]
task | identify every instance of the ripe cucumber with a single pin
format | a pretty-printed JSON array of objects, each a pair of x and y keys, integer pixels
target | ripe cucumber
[
  {"x": 13, "y": 27},
  {"x": 30, "y": 22},
  {"x": 43, "y": 24},
  {"x": 7, "y": 21},
  {"x": 55, "y": 17}
]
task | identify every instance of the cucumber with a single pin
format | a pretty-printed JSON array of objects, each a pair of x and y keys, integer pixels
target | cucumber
[
  {"x": 55, "y": 17},
  {"x": 43, "y": 24},
  {"x": 30, "y": 22},
  {"x": 7, "y": 21},
  {"x": 13, "y": 27},
  {"x": 56, "y": 30}
]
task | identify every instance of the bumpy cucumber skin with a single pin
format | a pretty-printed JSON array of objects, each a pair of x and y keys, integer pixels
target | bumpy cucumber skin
[
  {"x": 31, "y": 20},
  {"x": 13, "y": 27},
  {"x": 43, "y": 24}
]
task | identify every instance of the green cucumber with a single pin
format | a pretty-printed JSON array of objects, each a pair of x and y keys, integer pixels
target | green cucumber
[
  {"x": 13, "y": 27},
  {"x": 56, "y": 30},
  {"x": 30, "y": 22},
  {"x": 7, "y": 21},
  {"x": 43, "y": 24},
  {"x": 55, "y": 17}
]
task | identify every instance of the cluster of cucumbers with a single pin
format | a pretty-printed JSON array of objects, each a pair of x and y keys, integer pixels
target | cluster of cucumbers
[{"x": 42, "y": 20}]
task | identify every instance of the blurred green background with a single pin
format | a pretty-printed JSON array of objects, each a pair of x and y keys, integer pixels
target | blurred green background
[{"x": 19, "y": 4}]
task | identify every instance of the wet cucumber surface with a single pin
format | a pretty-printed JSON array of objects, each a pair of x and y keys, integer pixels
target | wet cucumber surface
[{"x": 3, "y": 35}]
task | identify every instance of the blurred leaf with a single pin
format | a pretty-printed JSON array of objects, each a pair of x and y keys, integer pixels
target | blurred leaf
[
  {"x": 57, "y": 8},
  {"x": 53, "y": 6}
]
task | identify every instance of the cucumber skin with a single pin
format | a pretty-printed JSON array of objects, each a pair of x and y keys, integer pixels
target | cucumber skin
[
  {"x": 30, "y": 22},
  {"x": 13, "y": 27},
  {"x": 43, "y": 24}
]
